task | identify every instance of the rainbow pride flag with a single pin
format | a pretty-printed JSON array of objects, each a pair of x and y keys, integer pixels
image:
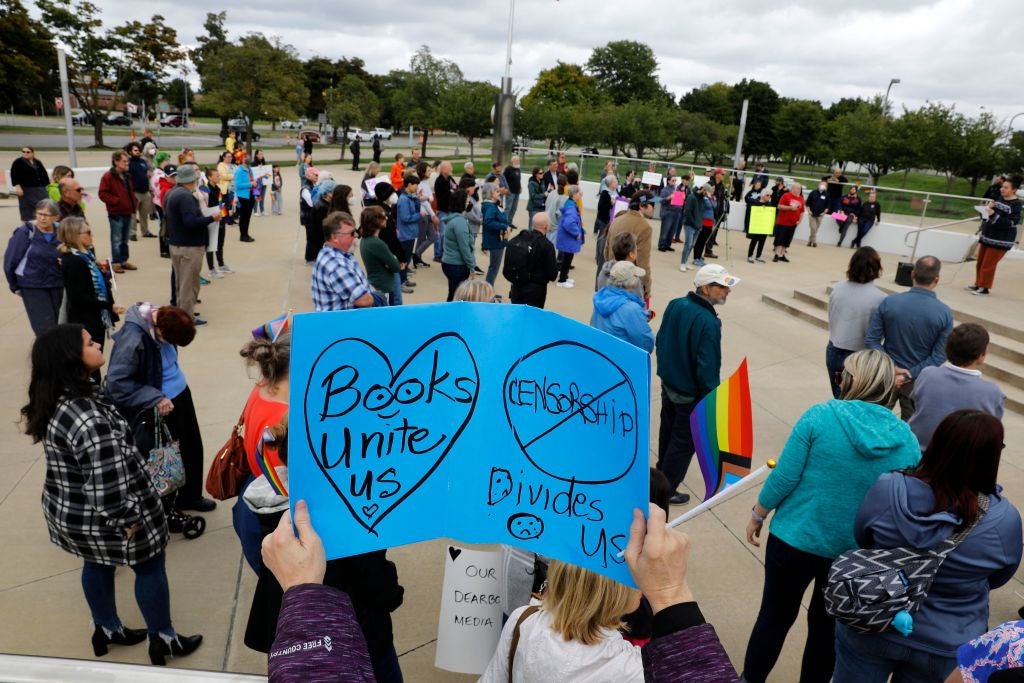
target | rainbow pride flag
[
  {"x": 272, "y": 329},
  {"x": 267, "y": 468},
  {"x": 723, "y": 432}
]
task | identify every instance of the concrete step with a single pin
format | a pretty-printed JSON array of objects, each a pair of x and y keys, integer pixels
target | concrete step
[
  {"x": 798, "y": 309},
  {"x": 1005, "y": 363}
]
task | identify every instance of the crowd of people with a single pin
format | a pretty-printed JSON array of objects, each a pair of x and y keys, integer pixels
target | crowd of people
[{"x": 852, "y": 473}]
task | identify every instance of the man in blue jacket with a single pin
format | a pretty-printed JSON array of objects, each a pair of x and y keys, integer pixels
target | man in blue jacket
[
  {"x": 187, "y": 232},
  {"x": 912, "y": 328},
  {"x": 689, "y": 348}
]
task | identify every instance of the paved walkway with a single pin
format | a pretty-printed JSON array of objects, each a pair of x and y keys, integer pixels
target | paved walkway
[{"x": 40, "y": 592}]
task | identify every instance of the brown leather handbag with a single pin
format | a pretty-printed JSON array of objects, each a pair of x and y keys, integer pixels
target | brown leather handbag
[{"x": 230, "y": 466}]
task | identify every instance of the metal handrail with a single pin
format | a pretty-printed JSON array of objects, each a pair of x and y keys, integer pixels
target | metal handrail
[
  {"x": 916, "y": 233},
  {"x": 582, "y": 155}
]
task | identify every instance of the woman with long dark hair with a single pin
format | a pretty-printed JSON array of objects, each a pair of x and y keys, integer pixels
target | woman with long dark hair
[
  {"x": 921, "y": 508},
  {"x": 98, "y": 500}
]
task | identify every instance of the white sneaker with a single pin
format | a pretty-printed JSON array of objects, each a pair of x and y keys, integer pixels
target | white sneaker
[
  {"x": 683, "y": 267},
  {"x": 214, "y": 273},
  {"x": 568, "y": 284},
  {"x": 570, "y": 280},
  {"x": 750, "y": 259},
  {"x": 224, "y": 270}
]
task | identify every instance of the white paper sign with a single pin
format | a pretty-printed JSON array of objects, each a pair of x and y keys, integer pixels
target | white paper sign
[
  {"x": 470, "y": 623},
  {"x": 266, "y": 170},
  {"x": 621, "y": 204},
  {"x": 650, "y": 178},
  {"x": 373, "y": 182}
]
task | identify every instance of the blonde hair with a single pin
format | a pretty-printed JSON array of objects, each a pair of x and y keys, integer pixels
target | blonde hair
[
  {"x": 581, "y": 603},
  {"x": 69, "y": 233},
  {"x": 869, "y": 376},
  {"x": 474, "y": 290}
]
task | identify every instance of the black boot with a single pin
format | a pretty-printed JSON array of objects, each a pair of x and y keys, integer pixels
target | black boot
[
  {"x": 179, "y": 646},
  {"x": 126, "y": 636}
]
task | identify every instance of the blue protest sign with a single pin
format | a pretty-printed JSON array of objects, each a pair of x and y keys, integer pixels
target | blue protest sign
[{"x": 485, "y": 423}]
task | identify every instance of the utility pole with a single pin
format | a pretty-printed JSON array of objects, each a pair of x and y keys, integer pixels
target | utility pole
[
  {"x": 62, "y": 64},
  {"x": 739, "y": 138}
]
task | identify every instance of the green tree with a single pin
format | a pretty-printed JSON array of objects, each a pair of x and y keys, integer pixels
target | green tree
[
  {"x": 1013, "y": 153},
  {"x": 204, "y": 56},
  {"x": 713, "y": 101},
  {"x": 981, "y": 156},
  {"x": 352, "y": 103},
  {"x": 759, "y": 138},
  {"x": 175, "y": 93},
  {"x": 845, "y": 105},
  {"x": 28, "y": 60},
  {"x": 256, "y": 78},
  {"x": 797, "y": 127},
  {"x": 867, "y": 137},
  {"x": 111, "y": 59},
  {"x": 420, "y": 90},
  {"x": 465, "y": 108},
  {"x": 563, "y": 85},
  {"x": 626, "y": 70}
]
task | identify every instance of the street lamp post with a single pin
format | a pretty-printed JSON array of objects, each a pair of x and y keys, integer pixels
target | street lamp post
[
  {"x": 1009, "y": 126},
  {"x": 885, "y": 102},
  {"x": 501, "y": 148}
]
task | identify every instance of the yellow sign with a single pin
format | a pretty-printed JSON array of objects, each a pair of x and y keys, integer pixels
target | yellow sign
[{"x": 762, "y": 220}]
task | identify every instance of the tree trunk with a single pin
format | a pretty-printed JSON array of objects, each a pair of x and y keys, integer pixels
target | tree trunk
[
  {"x": 423, "y": 146},
  {"x": 974, "y": 186},
  {"x": 949, "y": 188},
  {"x": 789, "y": 169},
  {"x": 344, "y": 140},
  {"x": 471, "y": 149},
  {"x": 97, "y": 130}
]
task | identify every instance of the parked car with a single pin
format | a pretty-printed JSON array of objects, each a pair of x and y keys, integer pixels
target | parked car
[
  {"x": 172, "y": 121},
  {"x": 311, "y": 134},
  {"x": 238, "y": 125},
  {"x": 114, "y": 119},
  {"x": 381, "y": 133},
  {"x": 354, "y": 134},
  {"x": 293, "y": 125},
  {"x": 81, "y": 119}
]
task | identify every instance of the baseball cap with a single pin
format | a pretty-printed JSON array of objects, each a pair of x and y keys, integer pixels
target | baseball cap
[
  {"x": 624, "y": 273},
  {"x": 171, "y": 170},
  {"x": 714, "y": 274}
]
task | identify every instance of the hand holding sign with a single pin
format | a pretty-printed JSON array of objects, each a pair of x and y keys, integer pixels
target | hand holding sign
[{"x": 472, "y": 421}]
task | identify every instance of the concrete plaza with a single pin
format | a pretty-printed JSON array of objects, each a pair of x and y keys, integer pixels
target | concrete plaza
[{"x": 211, "y": 586}]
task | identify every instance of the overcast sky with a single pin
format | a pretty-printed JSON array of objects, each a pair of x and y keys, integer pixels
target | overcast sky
[{"x": 955, "y": 51}]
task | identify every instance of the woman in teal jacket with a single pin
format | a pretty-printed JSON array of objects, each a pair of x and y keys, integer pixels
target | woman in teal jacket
[
  {"x": 457, "y": 259},
  {"x": 836, "y": 452},
  {"x": 495, "y": 229},
  {"x": 244, "y": 183}
]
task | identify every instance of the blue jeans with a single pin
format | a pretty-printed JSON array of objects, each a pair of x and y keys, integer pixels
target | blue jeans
[
  {"x": 386, "y": 669},
  {"x": 151, "y": 593},
  {"x": 834, "y": 359},
  {"x": 120, "y": 234},
  {"x": 395, "y": 298},
  {"x": 495, "y": 264},
  {"x": 439, "y": 237},
  {"x": 247, "y": 527},
  {"x": 871, "y": 658},
  {"x": 691, "y": 239},
  {"x": 511, "y": 204},
  {"x": 668, "y": 228},
  {"x": 863, "y": 228}
]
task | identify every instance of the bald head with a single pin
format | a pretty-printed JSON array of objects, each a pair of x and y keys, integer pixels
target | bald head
[
  {"x": 541, "y": 223},
  {"x": 70, "y": 190}
]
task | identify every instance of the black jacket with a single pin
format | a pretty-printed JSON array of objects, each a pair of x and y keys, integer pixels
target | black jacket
[
  {"x": 186, "y": 224},
  {"x": 514, "y": 178}
]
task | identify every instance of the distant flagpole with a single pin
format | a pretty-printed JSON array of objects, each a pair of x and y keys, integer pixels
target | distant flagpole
[{"x": 724, "y": 495}]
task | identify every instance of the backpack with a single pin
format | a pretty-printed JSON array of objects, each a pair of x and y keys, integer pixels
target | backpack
[
  {"x": 519, "y": 258},
  {"x": 869, "y": 588}
]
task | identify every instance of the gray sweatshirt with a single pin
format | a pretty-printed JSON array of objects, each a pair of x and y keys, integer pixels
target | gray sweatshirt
[
  {"x": 849, "y": 312},
  {"x": 941, "y": 390}
]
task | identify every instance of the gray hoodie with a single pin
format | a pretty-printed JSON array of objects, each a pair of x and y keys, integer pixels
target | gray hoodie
[{"x": 897, "y": 513}]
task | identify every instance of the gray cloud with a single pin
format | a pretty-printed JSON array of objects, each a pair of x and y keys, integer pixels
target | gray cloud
[{"x": 955, "y": 51}]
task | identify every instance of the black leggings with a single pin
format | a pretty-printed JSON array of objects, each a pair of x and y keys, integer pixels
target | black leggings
[
  {"x": 184, "y": 428},
  {"x": 702, "y": 241},
  {"x": 244, "y": 215},
  {"x": 758, "y": 242},
  {"x": 564, "y": 265}
]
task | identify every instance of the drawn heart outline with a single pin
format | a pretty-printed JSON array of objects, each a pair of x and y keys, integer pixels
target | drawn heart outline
[{"x": 369, "y": 511}]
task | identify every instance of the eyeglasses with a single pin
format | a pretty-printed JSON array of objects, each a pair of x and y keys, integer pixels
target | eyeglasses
[
  {"x": 26, "y": 151},
  {"x": 45, "y": 215},
  {"x": 85, "y": 232},
  {"x": 350, "y": 232}
]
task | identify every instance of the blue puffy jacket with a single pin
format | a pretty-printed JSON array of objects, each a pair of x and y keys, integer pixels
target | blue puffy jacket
[
  {"x": 621, "y": 314},
  {"x": 408, "y": 217},
  {"x": 570, "y": 229}
]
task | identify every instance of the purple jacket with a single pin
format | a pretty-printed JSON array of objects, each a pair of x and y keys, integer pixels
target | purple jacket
[{"x": 318, "y": 639}]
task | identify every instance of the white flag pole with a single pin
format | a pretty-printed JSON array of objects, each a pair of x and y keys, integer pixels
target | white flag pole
[{"x": 723, "y": 495}]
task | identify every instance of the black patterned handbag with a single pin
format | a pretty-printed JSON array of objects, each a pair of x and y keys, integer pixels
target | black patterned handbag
[{"x": 867, "y": 588}]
